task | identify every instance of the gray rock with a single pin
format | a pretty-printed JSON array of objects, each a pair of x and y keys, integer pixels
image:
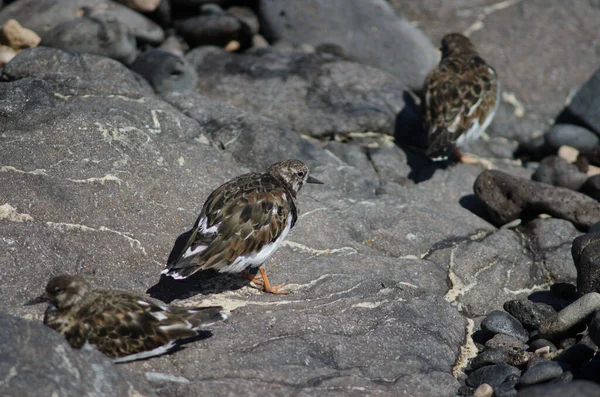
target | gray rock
[
  {"x": 93, "y": 35},
  {"x": 37, "y": 361},
  {"x": 493, "y": 375},
  {"x": 542, "y": 372},
  {"x": 586, "y": 254},
  {"x": 380, "y": 37},
  {"x": 165, "y": 71},
  {"x": 317, "y": 94},
  {"x": 529, "y": 314},
  {"x": 42, "y": 15},
  {"x": 540, "y": 343},
  {"x": 555, "y": 170},
  {"x": 564, "y": 290},
  {"x": 247, "y": 16},
  {"x": 505, "y": 342},
  {"x": 590, "y": 371},
  {"x": 493, "y": 356},
  {"x": 214, "y": 29},
  {"x": 576, "y": 354},
  {"x": 500, "y": 322},
  {"x": 571, "y": 317},
  {"x": 108, "y": 176},
  {"x": 577, "y": 388},
  {"x": 507, "y": 389},
  {"x": 507, "y": 198},
  {"x": 583, "y": 107},
  {"x": 571, "y": 135}
]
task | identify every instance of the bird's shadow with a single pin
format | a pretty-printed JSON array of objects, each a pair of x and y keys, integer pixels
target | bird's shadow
[
  {"x": 167, "y": 289},
  {"x": 411, "y": 136}
]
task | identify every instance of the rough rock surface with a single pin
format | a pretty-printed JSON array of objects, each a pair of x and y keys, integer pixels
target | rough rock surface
[
  {"x": 37, "y": 361},
  {"x": 318, "y": 94}
]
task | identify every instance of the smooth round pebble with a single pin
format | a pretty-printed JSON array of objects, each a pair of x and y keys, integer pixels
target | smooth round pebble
[
  {"x": 484, "y": 390},
  {"x": 499, "y": 356},
  {"x": 494, "y": 375},
  {"x": 540, "y": 343},
  {"x": 500, "y": 322},
  {"x": 556, "y": 171},
  {"x": 165, "y": 71},
  {"x": 591, "y": 187},
  {"x": 571, "y": 135},
  {"x": 541, "y": 372},
  {"x": 576, "y": 354},
  {"x": 506, "y": 342}
]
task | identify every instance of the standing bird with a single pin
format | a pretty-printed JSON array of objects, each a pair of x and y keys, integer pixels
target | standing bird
[
  {"x": 123, "y": 326},
  {"x": 461, "y": 98},
  {"x": 243, "y": 222}
]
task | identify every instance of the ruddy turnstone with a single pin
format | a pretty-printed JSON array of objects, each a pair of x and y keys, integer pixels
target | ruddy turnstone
[
  {"x": 461, "y": 98},
  {"x": 123, "y": 326},
  {"x": 243, "y": 222}
]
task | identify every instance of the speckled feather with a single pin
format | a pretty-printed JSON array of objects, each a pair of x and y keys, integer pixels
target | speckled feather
[
  {"x": 118, "y": 323},
  {"x": 246, "y": 216},
  {"x": 461, "y": 96}
]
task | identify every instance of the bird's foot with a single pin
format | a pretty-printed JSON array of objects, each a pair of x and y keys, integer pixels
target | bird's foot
[
  {"x": 275, "y": 289},
  {"x": 471, "y": 159}
]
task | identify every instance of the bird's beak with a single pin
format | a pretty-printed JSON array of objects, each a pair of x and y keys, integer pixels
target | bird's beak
[
  {"x": 40, "y": 299},
  {"x": 313, "y": 180}
]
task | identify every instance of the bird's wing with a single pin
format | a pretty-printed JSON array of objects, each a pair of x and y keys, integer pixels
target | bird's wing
[
  {"x": 238, "y": 218},
  {"x": 459, "y": 93}
]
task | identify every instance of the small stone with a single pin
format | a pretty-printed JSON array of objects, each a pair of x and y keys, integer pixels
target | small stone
[
  {"x": 232, "y": 46},
  {"x": 576, "y": 354},
  {"x": 591, "y": 187},
  {"x": 569, "y": 319},
  {"x": 541, "y": 343},
  {"x": 571, "y": 135},
  {"x": 499, "y": 356},
  {"x": 529, "y": 313},
  {"x": 566, "y": 376},
  {"x": 541, "y": 372},
  {"x": 165, "y": 71},
  {"x": 259, "y": 41},
  {"x": 586, "y": 256},
  {"x": 505, "y": 342},
  {"x": 494, "y": 375},
  {"x": 247, "y": 16},
  {"x": 583, "y": 109},
  {"x": 577, "y": 388},
  {"x": 213, "y": 29},
  {"x": 535, "y": 360},
  {"x": 594, "y": 328},
  {"x": 506, "y": 389},
  {"x": 507, "y": 197},
  {"x": 17, "y": 37},
  {"x": 590, "y": 371},
  {"x": 568, "y": 153},
  {"x": 174, "y": 45},
  {"x": 6, "y": 54},
  {"x": 555, "y": 171},
  {"x": 484, "y": 390},
  {"x": 500, "y": 322},
  {"x": 141, "y": 5}
]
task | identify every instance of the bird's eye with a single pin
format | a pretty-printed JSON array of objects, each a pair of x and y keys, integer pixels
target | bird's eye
[{"x": 301, "y": 174}]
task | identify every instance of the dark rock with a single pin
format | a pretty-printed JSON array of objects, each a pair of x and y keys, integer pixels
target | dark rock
[
  {"x": 577, "y": 388},
  {"x": 506, "y": 342},
  {"x": 583, "y": 109},
  {"x": 528, "y": 313},
  {"x": 564, "y": 290},
  {"x": 592, "y": 156},
  {"x": 93, "y": 35},
  {"x": 594, "y": 328},
  {"x": 586, "y": 256},
  {"x": 165, "y": 71},
  {"x": 214, "y": 29},
  {"x": 38, "y": 361},
  {"x": 534, "y": 360},
  {"x": 540, "y": 343},
  {"x": 576, "y": 355},
  {"x": 506, "y": 389},
  {"x": 534, "y": 150},
  {"x": 316, "y": 94},
  {"x": 500, "y": 322},
  {"x": 42, "y": 15},
  {"x": 566, "y": 376},
  {"x": 493, "y": 375},
  {"x": 395, "y": 45},
  {"x": 567, "y": 322},
  {"x": 499, "y": 356},
  {"x": 555, "y": 170},
  {"x": 571, "y": 135},
  {"x": 567, "y": 342},
  {"x": 542, "y": 372},
  {"x": 507, "y": 198},
  {"x": 591, "y": 187},
  {"x": 590, "y": 371},
  {"x": 247, "y": 16},
  {"x": 162, "y": 15}
]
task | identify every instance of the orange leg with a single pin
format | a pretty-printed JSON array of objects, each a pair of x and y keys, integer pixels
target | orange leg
[
  {"x": 262, "y": 280},
  {"x": 471, "y": 159}
]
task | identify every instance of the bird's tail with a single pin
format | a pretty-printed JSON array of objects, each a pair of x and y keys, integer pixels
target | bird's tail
[
  {"x": 182, "y": 268},
  {"x": 203, "y": 317}
]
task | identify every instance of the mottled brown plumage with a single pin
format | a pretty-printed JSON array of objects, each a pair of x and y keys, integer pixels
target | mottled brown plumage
[
  {"x": 243, "y": 222},
  {"x": 123, "y": 326},
  {"x": 461, "y": 97}
]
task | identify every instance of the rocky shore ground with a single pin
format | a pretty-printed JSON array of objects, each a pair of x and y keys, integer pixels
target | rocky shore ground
[{"x": 408, "y": 278}]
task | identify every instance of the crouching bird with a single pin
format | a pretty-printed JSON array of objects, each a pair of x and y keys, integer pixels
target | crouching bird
[
  {"x": 243, "y": 222},
  {"x": 123, "y": 326},
  {"x": 461, "y": 97}
]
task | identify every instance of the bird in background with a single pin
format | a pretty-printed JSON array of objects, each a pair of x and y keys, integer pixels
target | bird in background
[
  {"x": 461, "y": 97},
  {"x": 123, "y": 326},
  {"x": 243, "y": 222}
]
